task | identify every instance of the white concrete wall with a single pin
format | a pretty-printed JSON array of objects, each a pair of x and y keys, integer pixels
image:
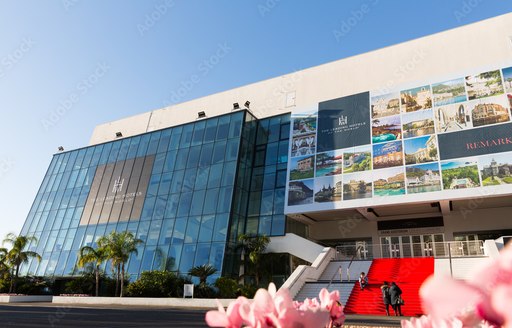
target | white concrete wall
[
  {"x": 25, "y": 298},
  {"x": 464, "y": 220},
  {"x": 468, "y": 49},
  {"x": 171, "y": 302},
  {"x": 462, "y": 268},
  {"x": 295, "y": 245}
]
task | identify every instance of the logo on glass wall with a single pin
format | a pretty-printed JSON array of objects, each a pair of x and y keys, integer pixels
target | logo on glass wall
[{"x": 118, "y": 185}]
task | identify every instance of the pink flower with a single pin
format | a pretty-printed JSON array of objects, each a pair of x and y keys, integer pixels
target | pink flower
[
  {"x": 487, "y": 296},
  {"x": 230, "y": 318},
  {"x": 330, "y": 302}
]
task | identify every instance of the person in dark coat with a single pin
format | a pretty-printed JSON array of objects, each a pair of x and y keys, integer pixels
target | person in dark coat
[
  {"x": 394, "y": 293},
  {"x": 386, "y": 297}
]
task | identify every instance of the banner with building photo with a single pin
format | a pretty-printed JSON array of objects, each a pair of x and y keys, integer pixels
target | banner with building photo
[{"x": 436, "y": 140}]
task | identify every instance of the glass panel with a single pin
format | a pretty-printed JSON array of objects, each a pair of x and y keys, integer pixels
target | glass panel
[
  {"x": 225, "y": 196},
  {"x": 202, "y": 178},
  {"x": 158, "y": 166},
  {"x": 206, "y": 155},
  {"x": 211, "y": 129},
  {"x": 217, "y": 255},
  {"x": 174, "y": 256},
  {"x": 215, "y": 175},
  {"x": 181, "y": 159},
  {"x": 278, "y": 225},
  {"x": 170, "y": 160},
  {"x": 221, "y": 227},
  {"x": 166, "y": 232},
  {"x": 187, "y": 257},
  {"x": 198, "y": 133},
  {"x": 192, "y": 229},
  {"x": 210, "y": 202},
  {"x": 193, "y": 156},
  {"x": 223, "y": 127},
  {"x": 184, "y": 205},
  {"x": 265, "y": 225},
  {"x": 197, "y": 202},
  {"x": 147, "y": 259},
  {"x": 206, "y": 231},
  {"x": 219, "y": 152},
  {"x": 186, "y": 136},
  {"x": 177, "y": 182},
  {"x": 154, "y": 232},
  {"x": 202, "y": 254},
  {"x": 175, "y": 138},
  {"x": 172, "y": 206}
]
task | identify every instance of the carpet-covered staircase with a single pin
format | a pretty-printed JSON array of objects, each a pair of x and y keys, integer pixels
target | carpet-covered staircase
[{"x": 408, "y": 273}]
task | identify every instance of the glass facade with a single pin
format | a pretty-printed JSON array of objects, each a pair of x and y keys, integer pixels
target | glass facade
[{"x": 186, "y": 191}]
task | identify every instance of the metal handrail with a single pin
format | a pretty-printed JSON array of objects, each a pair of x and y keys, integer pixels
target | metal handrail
[
  {"x": 442, "y": 249},
  {"x": 332, "y": 278}
]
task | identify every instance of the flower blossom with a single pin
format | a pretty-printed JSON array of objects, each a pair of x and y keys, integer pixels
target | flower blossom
[
  {"x": 276, "y": 309},
  {"x": 484, "y": 300}
]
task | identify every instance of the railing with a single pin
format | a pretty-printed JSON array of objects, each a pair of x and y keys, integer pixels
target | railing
[{"x": 426, "y": 249}]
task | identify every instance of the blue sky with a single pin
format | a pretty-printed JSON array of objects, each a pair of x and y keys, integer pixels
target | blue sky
[
  {"x": 69, "y": 65},
  {"x": 412, "y": 145}
]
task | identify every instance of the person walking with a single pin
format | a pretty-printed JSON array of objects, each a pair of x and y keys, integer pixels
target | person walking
[
  {"x": 394, "y": 293},
  {"x": 363, "y": 280},
  {"x": 386, "y": 297}
]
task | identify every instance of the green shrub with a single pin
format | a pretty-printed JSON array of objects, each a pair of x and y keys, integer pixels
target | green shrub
[
  {"x": 203, "y": 290},
  {"x": 157, "y": 284},
  {"x": 227, "y": 287}
]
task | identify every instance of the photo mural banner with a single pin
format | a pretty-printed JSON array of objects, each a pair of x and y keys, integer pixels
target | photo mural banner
[{"x": 445, "y": 140}]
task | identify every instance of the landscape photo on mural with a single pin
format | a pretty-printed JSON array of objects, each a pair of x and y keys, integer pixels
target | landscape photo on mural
[{"x": 433, "y": 138}]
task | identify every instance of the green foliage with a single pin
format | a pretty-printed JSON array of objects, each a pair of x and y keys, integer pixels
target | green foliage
[
  {"x": 203, "y": 290},
  {"x": 17, "y": 255},
  {"x": 81, "y": 285},
  {"x": 470, "y": 172},
  {"x": 253, "y": 248},
  {"x": 202, "y": 272},
  {"x": 227, "y": 287},
  {"x": 158, "y": 284},
  {"x": 248, "y": 290}
]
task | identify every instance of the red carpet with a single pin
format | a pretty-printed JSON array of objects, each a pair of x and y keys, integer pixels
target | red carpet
[{"x": 408, "y": 273}]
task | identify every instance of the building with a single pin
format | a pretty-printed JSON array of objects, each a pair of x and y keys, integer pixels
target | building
[{"x": 188, "y": 182}]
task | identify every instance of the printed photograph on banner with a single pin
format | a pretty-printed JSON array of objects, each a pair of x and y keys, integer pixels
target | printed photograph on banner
[
  {"x": 496, "y": 169},
  {"x": 387, "y": 154},
  {"x": 303, "y": 125},
  {"x": 420, "y": 150},
  {"x": 415, "y": 99},
  {"x": 489, "y": 111},
  {"x": 357, "y": 185},
  {"x": 454, "y": 117},
  {"x": 386, "y": 129},
  {"x": 300, "y": 192},
  {"x": 304, "y": 144},
  {"x": 389, "y": 182},
  {"x": 460, "y": 174},
  {"x": 423, "y": 178},
  {"x": 484, "y": 85},
  {"x": 418, "y": 124},
  {"x": 385, "y": 105},
  {"x": 357, "y": 159},
  {"x": 302, "y": 167},
  {"x": 329, "y": 163},
  {"x": 328, "y": 189},
  {"x": 507, "y": 79},
  {"x": 449, "y": 92}
]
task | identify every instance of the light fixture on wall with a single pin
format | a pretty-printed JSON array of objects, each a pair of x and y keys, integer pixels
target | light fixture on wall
[
  {"x": 247, "y": 103},
  {"x": 236, "y": 106},
  {"x": 60, "y": 148},
  {"x": 201, "y": 114},
  {"x": 119, "y": 134}
]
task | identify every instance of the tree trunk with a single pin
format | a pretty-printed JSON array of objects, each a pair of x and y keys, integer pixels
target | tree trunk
[
  {"x": 122, "y": 280},
  {"x": 97, "y": 279},
  {"x": 15, "y": 280},
  {"x": 11, "y": 286},
  {"x": 117, "y": 279}
]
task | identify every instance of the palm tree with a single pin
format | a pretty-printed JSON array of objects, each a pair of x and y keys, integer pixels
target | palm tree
[
  {"x": 95, "y": 256},
  {"x": 202, "y": 272},
  {"x": 4, "y": 266},
  {"x": 119, "y": 246},
  {"x": 17, "y": 255},
  {"x": 254, "y": 247}
]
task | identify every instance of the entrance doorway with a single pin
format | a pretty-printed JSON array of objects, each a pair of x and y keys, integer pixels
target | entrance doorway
[{"x": 413, "y": 246}]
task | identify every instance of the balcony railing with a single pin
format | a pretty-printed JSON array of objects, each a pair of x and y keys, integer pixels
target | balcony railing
[{"x": 430, "y": 249}]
